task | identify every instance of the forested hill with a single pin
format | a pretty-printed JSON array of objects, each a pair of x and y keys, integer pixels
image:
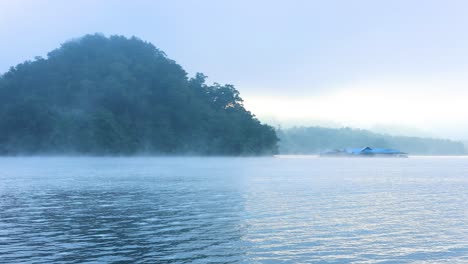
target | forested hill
[
  {"x": 102, "y": 95},
  {"x": 312, "y": 140}
]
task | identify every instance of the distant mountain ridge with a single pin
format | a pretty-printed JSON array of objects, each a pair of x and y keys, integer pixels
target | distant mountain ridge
[{"x": 313, "y": 140}]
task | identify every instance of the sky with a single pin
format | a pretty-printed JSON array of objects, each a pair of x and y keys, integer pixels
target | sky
[{"x": 398, "y": 66}]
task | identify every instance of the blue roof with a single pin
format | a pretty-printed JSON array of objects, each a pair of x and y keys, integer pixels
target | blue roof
[
  {"x": 367, "y": 150},
  {"x": 385, "y": 151}
]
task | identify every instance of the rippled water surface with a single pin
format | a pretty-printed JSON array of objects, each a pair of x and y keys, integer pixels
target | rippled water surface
[{"x": 233, "y": 210}]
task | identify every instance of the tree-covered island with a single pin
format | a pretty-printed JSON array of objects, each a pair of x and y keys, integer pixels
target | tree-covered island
[{"x": 100, "y": 95}]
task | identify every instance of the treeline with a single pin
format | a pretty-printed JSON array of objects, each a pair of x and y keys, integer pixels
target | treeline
[
  {"x": 313, "y": 140},
  {"x": 114, "y": 95}
]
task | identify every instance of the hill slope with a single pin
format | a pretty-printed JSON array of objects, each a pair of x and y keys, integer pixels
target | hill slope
[
  {"x": 99, "y": 95},
  {"x": 312, "y": 140}
]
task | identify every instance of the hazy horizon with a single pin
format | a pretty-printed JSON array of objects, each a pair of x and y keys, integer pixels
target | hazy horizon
[{"x": 399, "y": 66}]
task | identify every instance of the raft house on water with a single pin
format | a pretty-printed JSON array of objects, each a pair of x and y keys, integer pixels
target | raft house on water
[{"x": 364, "y": 152}]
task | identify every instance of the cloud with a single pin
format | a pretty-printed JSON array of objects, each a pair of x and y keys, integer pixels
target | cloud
[{"x": 436, "y": 105}]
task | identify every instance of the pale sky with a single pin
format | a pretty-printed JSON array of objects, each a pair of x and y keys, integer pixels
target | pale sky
[{"x": 400, "y": 64}]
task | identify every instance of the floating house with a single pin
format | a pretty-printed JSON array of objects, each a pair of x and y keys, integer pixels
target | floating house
[{"x": 364, "y": 152}]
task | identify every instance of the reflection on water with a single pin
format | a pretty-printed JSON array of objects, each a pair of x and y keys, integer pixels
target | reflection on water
[{"x": 230, "y": 210}]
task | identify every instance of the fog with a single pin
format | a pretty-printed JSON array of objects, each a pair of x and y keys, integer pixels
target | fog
[
  {"x": 364, "y": 64},
  {"x": 235, "y": 131},
  {"x": 429, "y": 108}
]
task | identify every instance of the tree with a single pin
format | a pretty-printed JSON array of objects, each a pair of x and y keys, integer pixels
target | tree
[{"x": 117, "y": 95}]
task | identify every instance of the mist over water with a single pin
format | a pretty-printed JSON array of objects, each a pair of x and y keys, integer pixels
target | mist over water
[{"x": 230, "y": 210}]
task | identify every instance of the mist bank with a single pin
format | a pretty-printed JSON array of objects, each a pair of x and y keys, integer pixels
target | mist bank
[
  {"x": 99, "y": 95},
  {"x": 313, "y": 140}
]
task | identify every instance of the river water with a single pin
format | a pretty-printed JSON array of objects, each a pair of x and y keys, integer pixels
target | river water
[{"x": 289, "y": 209}]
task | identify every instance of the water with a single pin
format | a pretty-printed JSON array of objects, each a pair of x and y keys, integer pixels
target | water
[{"x": 233, "y": 210}]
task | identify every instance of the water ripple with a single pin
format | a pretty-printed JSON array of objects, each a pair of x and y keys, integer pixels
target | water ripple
[{"x": 221, "y": 210}]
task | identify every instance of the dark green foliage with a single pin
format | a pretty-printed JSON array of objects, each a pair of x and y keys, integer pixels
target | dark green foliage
[
  {"x": 103, "y": 96},
  {"x": 312, "y": 140}
]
